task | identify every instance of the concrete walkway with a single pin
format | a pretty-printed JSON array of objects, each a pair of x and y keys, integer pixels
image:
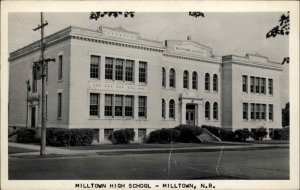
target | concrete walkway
[{"x": 61, "y": 151}]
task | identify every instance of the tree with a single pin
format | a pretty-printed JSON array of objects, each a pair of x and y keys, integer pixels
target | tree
[
  {"x": 97, "y": 15},
  {"x": 283, "y": 28},
  {"x": 286, "y": 115}
]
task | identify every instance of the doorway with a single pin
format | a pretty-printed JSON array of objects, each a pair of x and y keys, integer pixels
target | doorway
[
  {"x": 190, "y": 114},
  {"x": 33, "y": 116}
]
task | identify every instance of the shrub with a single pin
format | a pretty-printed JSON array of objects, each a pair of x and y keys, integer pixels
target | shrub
[
  {"x": 242, "y": 134},
  {"x": 280, "y": 134},
  {"x": 163, "y": 136},
  {"x": 122, "y": 136},
  {"x": 189, "y": 133},
  {"x": 27, "y": 135},
  {"x": 69, "y": 137},
  {"x": 260, "y": 133}
]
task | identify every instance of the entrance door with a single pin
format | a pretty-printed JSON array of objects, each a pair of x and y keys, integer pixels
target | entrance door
[
  {"x": 33, "y": 116},
  {"x": 190, "y": 114}
]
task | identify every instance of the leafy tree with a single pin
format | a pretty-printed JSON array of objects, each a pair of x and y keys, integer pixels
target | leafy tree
[
  {"x": 115, "y": 14},
  {"x": 286, "y": 115},
  {"x": 196, "y": 14},
  {"x": 283, "y": 28}
]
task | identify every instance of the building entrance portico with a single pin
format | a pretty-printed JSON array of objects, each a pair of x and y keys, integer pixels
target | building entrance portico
[{"x": 191, "y": 109}]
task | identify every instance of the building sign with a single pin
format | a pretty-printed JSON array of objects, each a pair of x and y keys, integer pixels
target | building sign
[{"x": 189, "y": 48}]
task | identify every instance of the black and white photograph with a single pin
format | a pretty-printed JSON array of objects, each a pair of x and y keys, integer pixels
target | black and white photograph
[{"x": 196, "y": 97}]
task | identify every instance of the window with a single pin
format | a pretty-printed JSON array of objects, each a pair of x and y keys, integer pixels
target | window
[
  {"x": 207, "y": 110},
  {"x": 163, "y": 76},
  {"x": 59, "y": 105},
  {"x": 108, "y": 108},
  {"x": 163, "y": 109},
  {"x": 270, "y": 111},
  {"x": 129, "y": 70},
  {"x": 46, "y": 104},
  {"x": 186, "y": 79},
  {"x": 253, "y": 111},
  {"x": 172, "y": 78},
  {"x": 143, "y": 72},
  {"x": 109, "y": 68},
  {"x": 119, "y": 105},
  {"x": 129, "y": 106},
  {"x": 207, "y": 81},
  {"x": 257, "y": 111},
  {"x": 107, "y": 133},
  {"x": 252, "y": 84},
  {"x": 245, "y": 111},
  {"x": 263, "y": 86},
  {"x": 94, "y": 67},
  {"x": 142, "y": 106},
  {"x": 172, "y": 109},
  {"x": 60, "y": 65},
  {"x": 141, "y": 134},
  {"x": 119, "y": 69},
  {"x": 257, "y": 84},
  {"x": 263, "y": 111},
  {"x": 270, "y": 81},
  {"x": 34, "y": 80},
  {"x": 245, "y": 83},
  {"x": 215, "y": 83},
  {"x": 215, "y": 110},
  {"x": 195, "y": 80},
  {"x": 94, "y": 104}
]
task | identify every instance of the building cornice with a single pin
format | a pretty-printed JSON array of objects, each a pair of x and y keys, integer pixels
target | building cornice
[
  {"x": 253, "y": 65},
  {"x": 191, "y": 58}
]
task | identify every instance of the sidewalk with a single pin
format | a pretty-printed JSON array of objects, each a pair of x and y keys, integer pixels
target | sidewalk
[{"x": 67, "y": 152}]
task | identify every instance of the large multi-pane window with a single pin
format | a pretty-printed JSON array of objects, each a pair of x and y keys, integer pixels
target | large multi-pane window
[
  {"x": 163, "y": 76},
  {"x": 129, "y": 106},
  {"x": 207, "y": 110},
  {"x": 60, "y": 67},
  {"x": 129, "y": 70},
  {"x": 195, "y": 80},
  {"x": 119, "y": 69},
  {"x": 257, "y": 111},
  {"x": 245, "y": 111},
  {"x": 186, "y": 79},
  {"x": 172, "y": 78},
  {"x": 263, "y": 111},
  {"x": 215, "y": 83},
  {"x": 94, "y": 104},
  {"x": 271, "y": 112},
  {"x": 215, "y": 110},
  {"x": 207, "y": 81},
  {"x": 94, "y": 67},
  {"x": 108, "y": 108},
  {"x": 252, "y": 111},
  {"x": 257, "y": 84},
  {"x": 252, "y": 84},
  {"x": 263, "y": 86},
  {"x": 172, "y": 109},
  {"x": 163, "y": 108},
  {"x": 109, "y": 67},
  {"x": 119, "y": 105},
  {"x": 245, "y": 83},
  {"x": 142, "y": 106},
  {"x": 270, "y": 86},
  {"x": 59, "y": 105},
  {"x": 34, "y": 80},
  {"x": 142, "y": 72}
]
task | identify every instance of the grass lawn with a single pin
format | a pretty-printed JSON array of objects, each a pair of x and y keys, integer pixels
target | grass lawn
[
  {"x": 145, "y": 146},
  {"x": 14, "y": 150}
]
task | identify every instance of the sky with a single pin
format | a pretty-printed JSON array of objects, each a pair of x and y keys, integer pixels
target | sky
[{"x": 225, "y": 33}]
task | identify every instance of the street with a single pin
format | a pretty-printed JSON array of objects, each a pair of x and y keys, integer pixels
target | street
[{"x": 240, "y": 164}]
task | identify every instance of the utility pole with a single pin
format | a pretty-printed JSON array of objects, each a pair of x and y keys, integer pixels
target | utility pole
[{"x": 42, "y": 62}]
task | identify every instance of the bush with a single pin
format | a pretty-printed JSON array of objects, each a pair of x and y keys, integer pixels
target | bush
[
  {"x": 163, "y": 136},
  {"x": 242, "y": 134},
  {"x": 280, "y": 134},
  {"x": 69, "y": 137},
  {"x": 122, "y": 136},
  {"x": 27, "y": 135},
  {"x": 188, "y": 133},
  {"x": 260, "y": 133}
]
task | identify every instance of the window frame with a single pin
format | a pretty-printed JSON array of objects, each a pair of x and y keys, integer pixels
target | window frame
[
  {"x": 245, "y": 83},
  {"x": 164, "y": 82},
  {"x": 95, "y": 68},
  {"x": 109, "y": 68},
  {"x": 245, "y": 111},
  {"x": 143, "y": 72},
  {"x": 195, "y": 80},
  {"x": 215, "y": 83},
  {"x": 207, "y": 110},
  {"x": 142, "y": 108},
  {"x": 59, "y": 105},
  {"x": 216, "y": 111},
  {"x": 172, "y": 78},
  {"x": 186, "y": 79},
  {"x": 207, "y": 82},
  {"x": 163, "y": 108},
  {"x": 172, "y": 109}
]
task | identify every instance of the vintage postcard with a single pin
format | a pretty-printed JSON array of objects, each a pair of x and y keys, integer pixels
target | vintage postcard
[{"x": 149, "y": 95}]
